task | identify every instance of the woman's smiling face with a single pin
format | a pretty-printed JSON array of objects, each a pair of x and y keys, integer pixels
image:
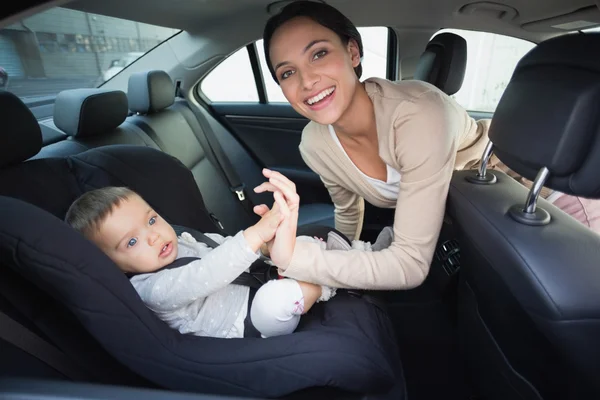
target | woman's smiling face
[{"x": 315, "y": 69}]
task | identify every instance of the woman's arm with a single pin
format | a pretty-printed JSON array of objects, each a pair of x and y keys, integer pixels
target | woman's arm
[{"x": 426, "y": 144}]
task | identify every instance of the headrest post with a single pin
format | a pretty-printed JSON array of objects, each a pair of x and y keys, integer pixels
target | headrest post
[
  {"x": 485, "y": 158},
  {"x": 530, "y": 213},
  {"x": 482, "y": 177},
  {"x": 534, "y": 193}
]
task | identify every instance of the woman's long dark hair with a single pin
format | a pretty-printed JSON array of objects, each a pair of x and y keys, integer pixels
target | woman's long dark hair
[{"x": 323, "y": 14}]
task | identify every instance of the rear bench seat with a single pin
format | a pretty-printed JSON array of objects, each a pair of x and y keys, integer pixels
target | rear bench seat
[
  {"x": 92, "y": 118},
  {"x": 152, "y": 97},
  {"x": 179, "y": 132},
  {"x": 97, "y": 117}
]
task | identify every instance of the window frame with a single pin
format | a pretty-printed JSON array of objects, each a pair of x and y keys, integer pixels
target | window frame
[
  {"x": 391, "y": 70},
  {"x": 261, "y": 89}
]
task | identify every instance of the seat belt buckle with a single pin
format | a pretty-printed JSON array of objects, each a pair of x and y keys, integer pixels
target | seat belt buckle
[{"x": 240, "y": 192}]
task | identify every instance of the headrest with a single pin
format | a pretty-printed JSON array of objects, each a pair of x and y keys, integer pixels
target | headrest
[
  {"x": 444, "y": 62},
  {"x": 89, "y": 112},
  {"x": 549, "y": 115},
  {"x": 150, "y": 92},
  {"x": 21, "y": 137}
]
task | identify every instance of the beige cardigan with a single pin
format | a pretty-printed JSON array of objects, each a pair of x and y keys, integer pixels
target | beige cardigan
[{"x": 420, "y": 131}]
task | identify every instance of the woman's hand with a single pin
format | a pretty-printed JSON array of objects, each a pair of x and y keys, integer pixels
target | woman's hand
[
  {"x": 281, "y": 248},
  {"x": 264, "y": 230}
]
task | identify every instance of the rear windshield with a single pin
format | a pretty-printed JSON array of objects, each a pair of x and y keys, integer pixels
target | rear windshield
[{"x": 61, "y": 49}]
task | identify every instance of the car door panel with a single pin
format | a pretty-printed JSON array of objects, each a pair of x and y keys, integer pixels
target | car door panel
[{"x": 272, "y": 133}]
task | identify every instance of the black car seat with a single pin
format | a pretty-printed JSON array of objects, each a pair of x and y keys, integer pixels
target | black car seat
[
  {"x": 444, "y": 62},
  {"x": 344, "y": 348},
  {"x": 529, "y": 285}
]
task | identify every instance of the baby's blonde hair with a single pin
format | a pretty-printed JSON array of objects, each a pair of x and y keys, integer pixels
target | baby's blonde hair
[{"x": 87, "y": 213}]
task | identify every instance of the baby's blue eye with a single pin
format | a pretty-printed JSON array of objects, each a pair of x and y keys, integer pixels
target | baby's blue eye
[
  {"x": 132, "y": 242},
  {"x": 152, "y": 221}
]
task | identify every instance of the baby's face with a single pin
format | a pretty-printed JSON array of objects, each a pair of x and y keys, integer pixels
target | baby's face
[{"x": 136, "y": 238}]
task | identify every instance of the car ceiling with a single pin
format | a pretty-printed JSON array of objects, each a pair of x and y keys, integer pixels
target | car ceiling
[{"x": 529, "y": 19}]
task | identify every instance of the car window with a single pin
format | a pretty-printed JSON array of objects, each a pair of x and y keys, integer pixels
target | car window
[
  {"x": 233, "y": 79},
  {"x": 491, "y": 60},
  {"x": 61, "y": 49}
]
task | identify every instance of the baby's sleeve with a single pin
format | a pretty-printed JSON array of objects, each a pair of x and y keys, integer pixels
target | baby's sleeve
[{"x": 170, "y": 289}]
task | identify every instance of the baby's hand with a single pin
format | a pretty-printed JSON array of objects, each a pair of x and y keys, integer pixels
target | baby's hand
[{"x": 264, "y": 230}]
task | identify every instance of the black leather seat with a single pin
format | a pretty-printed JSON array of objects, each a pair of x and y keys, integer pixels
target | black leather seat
[
  {"x": 529, "y": 308},
  {"x": 444, "y": 62}
]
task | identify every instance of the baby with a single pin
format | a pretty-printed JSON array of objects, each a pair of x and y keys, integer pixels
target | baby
[{"x": 199, "y": 297}]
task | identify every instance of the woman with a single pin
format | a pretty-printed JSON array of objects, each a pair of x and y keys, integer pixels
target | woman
[{"x": 392, "y": 144}]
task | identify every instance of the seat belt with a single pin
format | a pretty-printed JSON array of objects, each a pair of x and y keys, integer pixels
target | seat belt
[
  {"x": 52, "y": 331},
  {"x": 21, "y": 337},
  {"x": 212, "y": 145}
]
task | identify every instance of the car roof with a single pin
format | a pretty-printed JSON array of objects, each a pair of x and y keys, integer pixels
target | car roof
[{"x": 534, "y": 20}]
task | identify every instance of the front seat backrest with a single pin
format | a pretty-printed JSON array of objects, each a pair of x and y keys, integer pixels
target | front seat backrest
[
  {"x": 39, "y": 183},
  {"x": 530, "y": 277},
  {"x": 444, "y": 62},
  {"x": 25, "y": 138}
]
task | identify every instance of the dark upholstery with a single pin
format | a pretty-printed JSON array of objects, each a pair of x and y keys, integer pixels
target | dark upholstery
[
  {"x": 549, "y": 115},
  {"x": 89, "y": 112},
  {"x": 529, "y": 296},
  {"x": 444, "y": 62},
  {"x": 22, "y": 137}
]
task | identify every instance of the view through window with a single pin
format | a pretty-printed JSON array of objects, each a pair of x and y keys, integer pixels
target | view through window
[{"x": 61, "y": 49}]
